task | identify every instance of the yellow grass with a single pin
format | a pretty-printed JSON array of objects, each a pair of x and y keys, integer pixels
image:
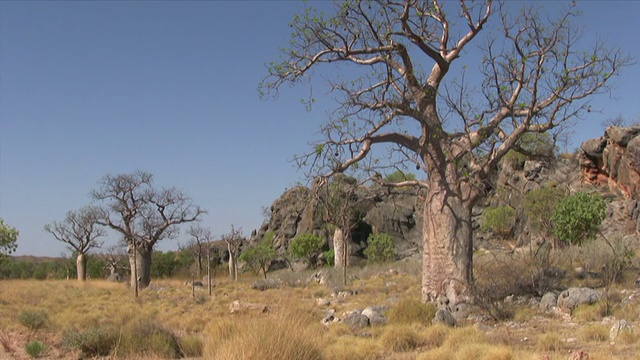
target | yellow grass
[{"x": 203, "y": 326}]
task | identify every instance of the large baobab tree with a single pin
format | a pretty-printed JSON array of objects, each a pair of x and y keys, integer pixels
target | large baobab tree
[
  {"x": 143, "y": 215},
  {"x": 392, "y": 67},
  {"x": 80, "y": 231}
]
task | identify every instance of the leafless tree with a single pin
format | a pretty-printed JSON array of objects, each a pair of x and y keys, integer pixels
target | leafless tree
[
  {"x": 389, "y": 62},
  {"x": 80, "y": 231},
  {"x": 199, "y": 246},
  {"x": 143, "y": 215},
  {"x": 233, "y": 240}
]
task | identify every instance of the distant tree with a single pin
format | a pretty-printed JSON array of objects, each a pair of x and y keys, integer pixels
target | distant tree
[
  {"x": 197, "y": 247},
  {"x": 532, "y": 146},
  {"x": 307, "y": 247},
  {"x": 80, "y": 231},
  {"x": 539, "y": 206},
  {"x": 8, "y": 239},
  {"x": 380, "y": 248},
  {"x": 260, "y": 256},
  {"x": 499, "y": 220},
  {"x": 616, "y": 121},
  {"x": 392, "y": 67},
  {"x": 399, "y": 176},
  {"x": 164, "y": 264},
  {"x": 234, "y": 240},
  {"x": 578, "y": 217},
  {"x": 143, "y": 215}
]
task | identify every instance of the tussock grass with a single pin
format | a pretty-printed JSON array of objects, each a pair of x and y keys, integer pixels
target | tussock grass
[
  {"x": 400, "y": 338},
  {"x": 410, "y": 311},
  {"x": 280, "y": 335},
  {"x": 100, "y": 319},
  {"x": 550, "y": 342}
]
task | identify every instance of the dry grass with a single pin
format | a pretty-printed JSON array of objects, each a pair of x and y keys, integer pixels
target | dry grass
[{"x": 94, "y": 318}]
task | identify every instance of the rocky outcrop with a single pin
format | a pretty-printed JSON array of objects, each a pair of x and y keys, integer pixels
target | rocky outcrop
[
  {"x": 613, "y": 160},
  {"x": 571, "y": 298},
  {"x": 396, "y": 212}
]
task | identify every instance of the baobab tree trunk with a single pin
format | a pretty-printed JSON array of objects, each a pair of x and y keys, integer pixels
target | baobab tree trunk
[
  {"x": 339, "y": 248},
  {"x": 81, "y": 267},
  {"x": 448, "y": 252},
  {"x": 140, "y": 260}
]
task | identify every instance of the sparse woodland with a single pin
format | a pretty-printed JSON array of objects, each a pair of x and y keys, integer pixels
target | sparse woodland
[{"x": 522, "y": 252}]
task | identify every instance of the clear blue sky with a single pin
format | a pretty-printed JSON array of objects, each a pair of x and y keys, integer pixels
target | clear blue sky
[{"x": 94, "y": 88}]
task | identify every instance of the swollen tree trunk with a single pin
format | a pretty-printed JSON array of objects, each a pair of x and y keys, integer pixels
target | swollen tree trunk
[
  {"x": 448, "y": 252},
  {"x": 81, "y": 266},
  {"x": 338, "y": 248},
  {"x": 140, "y": 260}
]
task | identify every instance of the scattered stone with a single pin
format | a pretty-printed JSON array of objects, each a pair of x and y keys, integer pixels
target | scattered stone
[
  {"x": 266, "y": 284},
  {"x": 445, "y": 317},
  {"x": 321, "y": 277},
  {"x": 356, "y": 320},
  {"x": 238, "y": 306},
  {"x": 617, "y": 328},
  {"x": 548, "y": 301},
  {"x": 374, "y": 313},
  {"x": 322, "y": 302},
  {"x": 569, "y": 299}
]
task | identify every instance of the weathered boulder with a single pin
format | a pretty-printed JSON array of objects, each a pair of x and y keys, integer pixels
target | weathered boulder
[
  {"x": 619, "y": 327},
  {"x": 266, "y": 284},
  {"x": 444, "y": 316},
  {"x": 355, "y": 319},
  {"x": 548, "y": 301},
  {"x": 569, "y": 299},
  {"x": 240, "y": 306},
  {"x": 375, "y": 315}
]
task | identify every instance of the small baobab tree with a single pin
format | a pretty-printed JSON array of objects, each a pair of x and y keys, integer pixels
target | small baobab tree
[
  {"x": 143, "y": 215},
  {"x": 233, "y": 240},
  {"x": 80, "y": 231}
]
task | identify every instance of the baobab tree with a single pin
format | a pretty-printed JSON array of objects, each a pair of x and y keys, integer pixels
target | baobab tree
[
  {"x": 233, "y": 240},
  {"x": 390, "y": 63},
  {"x": 80, "y": 231},
  {"x": 143, "y": 216}
]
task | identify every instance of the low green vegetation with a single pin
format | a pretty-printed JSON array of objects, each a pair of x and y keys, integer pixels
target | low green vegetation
[
  {"x": 499, "y": 220},
  {"x": 380, "y": 248},
  {"x": 307, "y": 247},
  {"x": 578, "y": 217}
]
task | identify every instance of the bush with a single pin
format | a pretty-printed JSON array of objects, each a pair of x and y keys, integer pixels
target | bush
[
  {"x": 330, "y": 257},
  {"x": 578, "y": 217},
  {"x": 539, "y": 206},
  {"x": 380, "y": 248},
  {"x": 499, "y": 220},
  {"x": 97, "y": 341},
  {"x": 34, "y": 319},
  {"x": 410, "y": 311},
  {"x": 307, "y": 246},
  {"x": 399, "y": 176},
  {"x": 540, "y": 145},
  {"x": 35, "y": 349},
  {"x": 284, "y": 335},
  {"x": 145, "y": 337},
  {"x": 260, "y": 256}
]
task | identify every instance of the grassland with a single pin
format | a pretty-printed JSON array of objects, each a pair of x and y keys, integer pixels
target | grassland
[{"x": 99, "y": 319}]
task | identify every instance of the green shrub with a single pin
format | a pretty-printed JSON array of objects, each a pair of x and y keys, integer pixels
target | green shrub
[
  {"x": 539, "y": 206},
  {"x": 260, "y": 256},
  {"x": 578, "y": 217},
  {"x": 34, "y": 319},
  {"x": 412, "y": 311},
  {"x": 307, "y": 246},
  {"x": 97, "y": 341},
  {"x": 499, "y": 220},
  {"x": 399, "y": 176},
  {"x": 536, "y": 144},
  {"x": 35, "y": 349},
  {"x": 330, "y": 257},
  {"x": 380, "y": 248}
]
